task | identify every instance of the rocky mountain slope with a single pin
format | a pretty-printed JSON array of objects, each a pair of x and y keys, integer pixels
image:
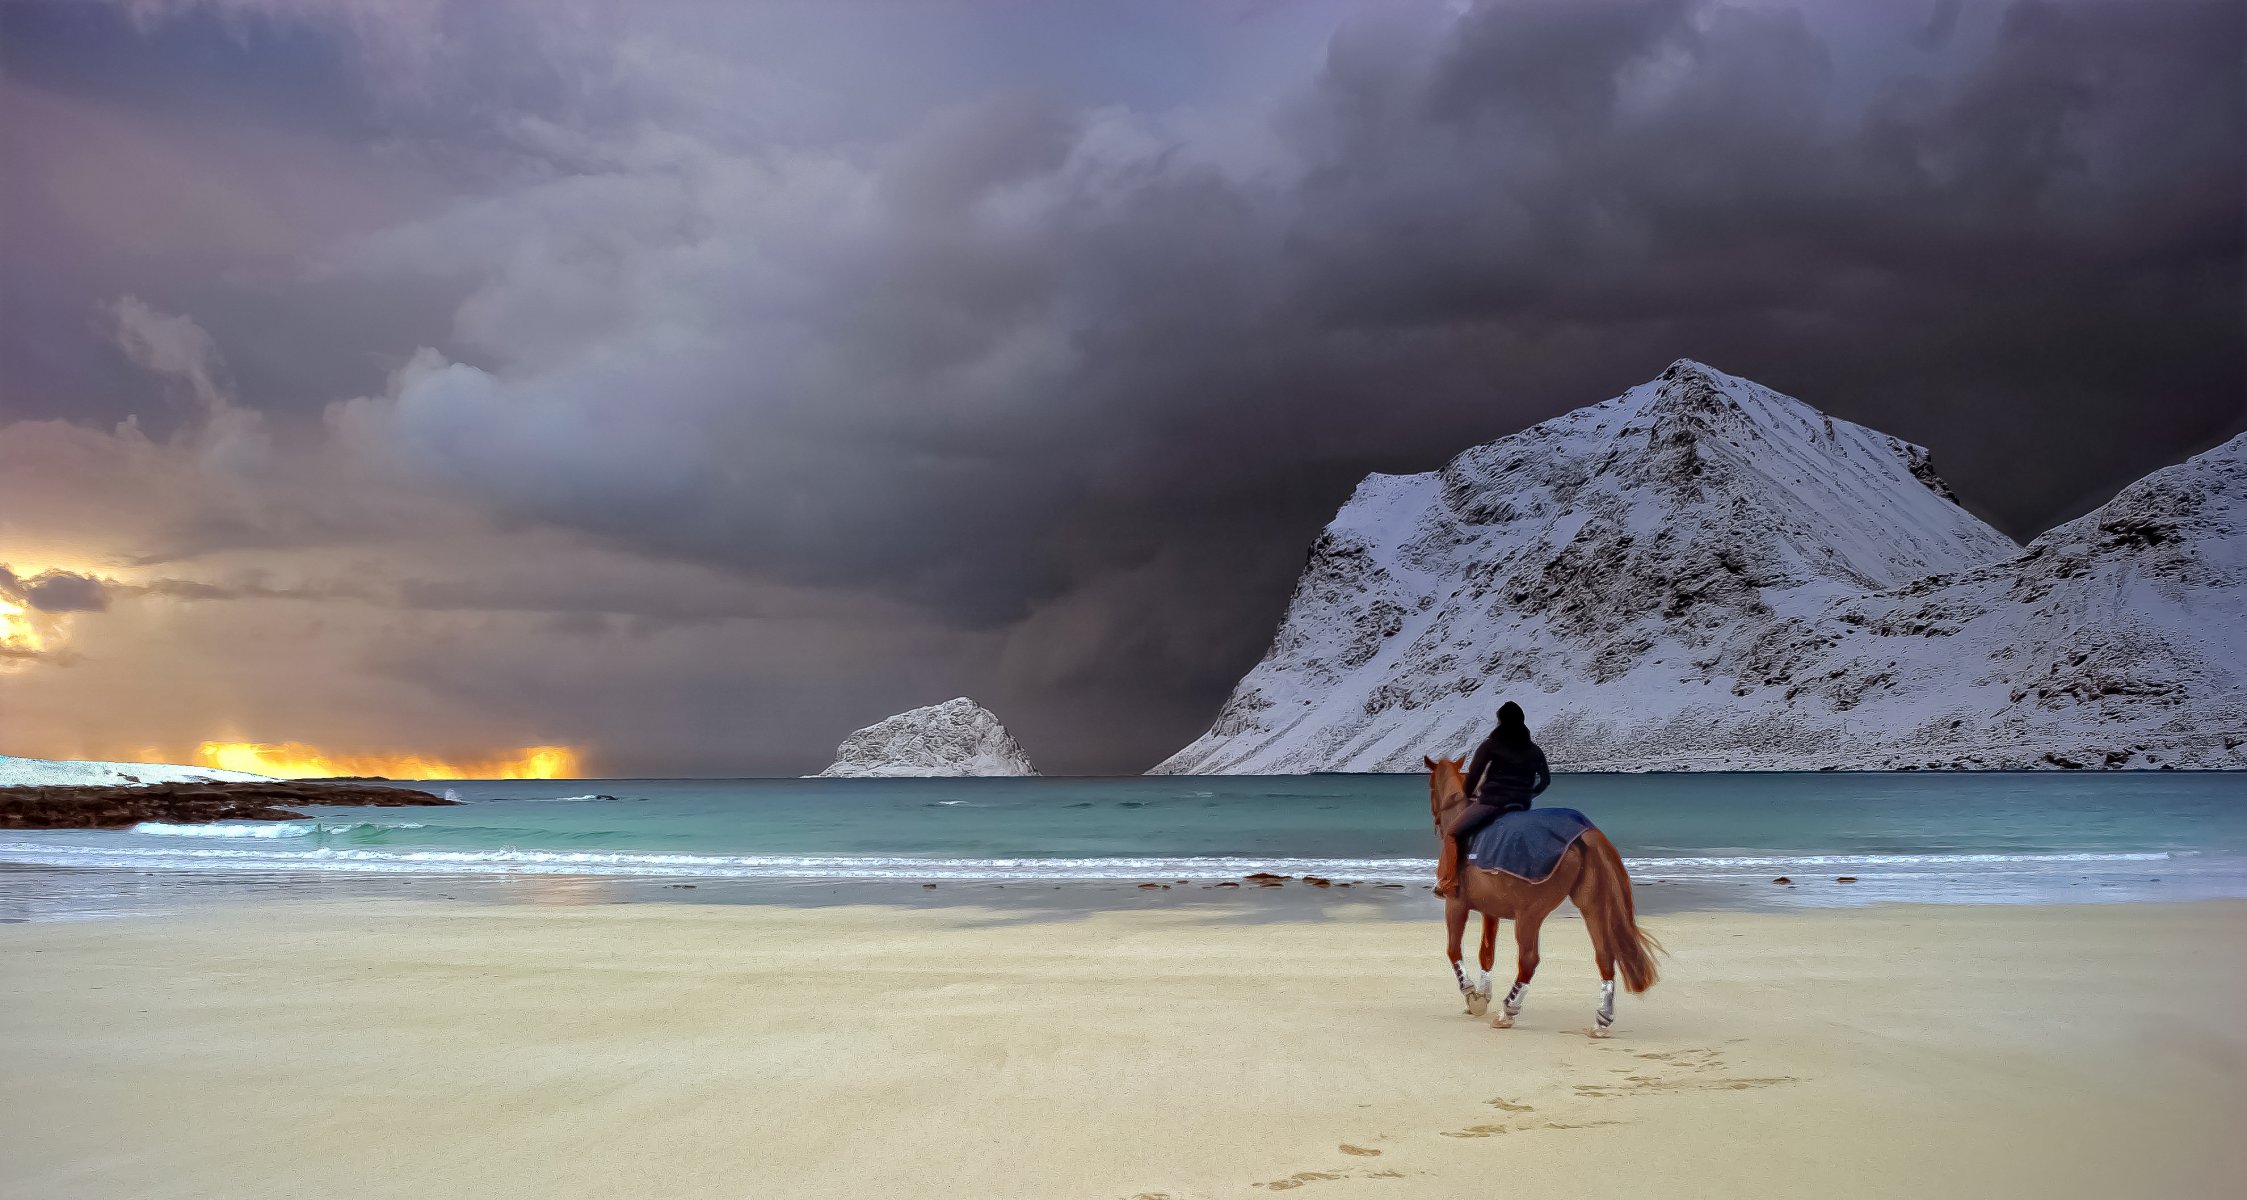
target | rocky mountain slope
[
  {"x": 1703, "y": 574},
  {"x": 957, "y": 737}
]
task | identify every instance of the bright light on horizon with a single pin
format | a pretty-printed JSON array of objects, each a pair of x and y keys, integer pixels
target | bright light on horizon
[
  {"x": 16, "y": 630},
  {"x": 295, "y": 760}
]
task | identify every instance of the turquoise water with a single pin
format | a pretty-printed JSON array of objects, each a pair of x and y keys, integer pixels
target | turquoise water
[{"x": 1940, "y": 837}]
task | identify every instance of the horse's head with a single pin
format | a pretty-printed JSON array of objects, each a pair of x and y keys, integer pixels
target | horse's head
[{"x": 1447, "y": 787}]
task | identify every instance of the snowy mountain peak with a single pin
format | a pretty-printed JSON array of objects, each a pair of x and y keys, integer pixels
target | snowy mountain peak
[
  {"x": 957, "y": 737},
  {"x": 1662, "y": 578},
  {"x": 2176, "y": 520}
]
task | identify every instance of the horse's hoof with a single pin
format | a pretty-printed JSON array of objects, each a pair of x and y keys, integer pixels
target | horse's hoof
[
  {"x": 1502, "y": 1021},
  {"x": 1598, "y": 1031},
  {"x": 1478, "y": 1003}
]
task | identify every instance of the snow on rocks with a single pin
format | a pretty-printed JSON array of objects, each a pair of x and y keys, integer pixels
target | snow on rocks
[
  {"x": 957, "y": 737},
  {"x": 47, "y": 772},
  {"x": 1703, "y": 574}
]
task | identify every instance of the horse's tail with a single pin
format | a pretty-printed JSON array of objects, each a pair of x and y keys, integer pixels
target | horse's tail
[{"x": 1605, "y": 897}]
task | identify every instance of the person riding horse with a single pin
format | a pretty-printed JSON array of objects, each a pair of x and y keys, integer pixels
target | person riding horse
[{"x": 1505, "y": 775}]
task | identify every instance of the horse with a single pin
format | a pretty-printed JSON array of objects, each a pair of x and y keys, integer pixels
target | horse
[{"x": 1590, "y": 874}]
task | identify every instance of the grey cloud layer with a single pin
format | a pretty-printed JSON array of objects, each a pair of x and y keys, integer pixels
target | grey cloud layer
[
  {"x": 54, "y": 591},
  {"x": 1084, "y": 377}
]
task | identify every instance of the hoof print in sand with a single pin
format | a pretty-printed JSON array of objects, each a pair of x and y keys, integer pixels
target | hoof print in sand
[
  {"x": 1298, "y": 1180},
  {"x": 1360, "y": 1151}
]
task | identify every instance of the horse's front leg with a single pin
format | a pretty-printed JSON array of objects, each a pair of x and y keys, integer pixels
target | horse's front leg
[
  {"x": 1478, "y": 1000},
  {"x": 1455, "y": 931},
  {"x": 1526, "y": 927}
]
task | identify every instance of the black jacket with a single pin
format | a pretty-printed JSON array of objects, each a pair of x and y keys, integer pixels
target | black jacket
[{"x": 1507, "y": 776}]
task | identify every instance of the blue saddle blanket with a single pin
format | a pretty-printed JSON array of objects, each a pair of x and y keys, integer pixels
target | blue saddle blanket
[{"x": 1529, "y": 843}]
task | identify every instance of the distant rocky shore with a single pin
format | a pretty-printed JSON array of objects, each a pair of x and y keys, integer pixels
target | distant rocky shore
[{"x": 189, "y": 803}]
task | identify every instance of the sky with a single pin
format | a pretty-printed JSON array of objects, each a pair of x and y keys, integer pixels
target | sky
[{"x": 688, "y": 384}]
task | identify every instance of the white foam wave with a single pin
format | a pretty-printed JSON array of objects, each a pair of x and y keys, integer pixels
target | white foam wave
[
  {"x": 511, "y": 861},
  {"x": 745, "y": 866},
  {"x": 1846, "y": 860},
  {"x": 266, "y": 829},
  {"x": 260, "y": 829}
]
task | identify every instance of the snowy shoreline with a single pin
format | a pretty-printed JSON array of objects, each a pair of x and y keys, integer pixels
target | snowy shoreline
[{"x": 65, "y": 772}]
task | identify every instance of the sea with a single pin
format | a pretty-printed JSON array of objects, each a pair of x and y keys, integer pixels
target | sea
[{"x": 1690, "y": 840}]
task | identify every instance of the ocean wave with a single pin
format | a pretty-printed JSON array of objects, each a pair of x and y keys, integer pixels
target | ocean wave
[
  {"x": 512, "y": 861},
  {"x": 260, "y": 829},
  {"x": 1879, "y": 860},
  {"x": 744, "y": 866}
]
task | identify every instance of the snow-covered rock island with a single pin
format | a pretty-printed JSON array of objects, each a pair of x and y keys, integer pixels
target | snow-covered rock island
[
  {"x": 1703, "y": 574},
  {"x": 957, "y": 737},
  {"x": 53, "y": 772}
]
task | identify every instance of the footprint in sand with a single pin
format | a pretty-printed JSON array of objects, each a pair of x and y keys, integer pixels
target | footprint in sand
[
  {"x": 1696, "y": 1063},
  {"x": 1302, "y": 1177},
  {"x": 1504, "y": 1105},
  {"x": 1298, "y": 1180},
  {"x": 1691, "y": 1060},
  {"x": 1648, "y": 1083},
  {"x": 1476, "y": 1131}
]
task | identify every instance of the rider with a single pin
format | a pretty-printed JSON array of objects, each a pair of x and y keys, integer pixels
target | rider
[{"x": 1506, "y": 773}]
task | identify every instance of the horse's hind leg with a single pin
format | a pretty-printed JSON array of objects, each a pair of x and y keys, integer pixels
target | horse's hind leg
[
  {"x": 1604, "y": 1016},
  {"x": 1526, "y": 927},
  {"x": 1603, "y": 953}
]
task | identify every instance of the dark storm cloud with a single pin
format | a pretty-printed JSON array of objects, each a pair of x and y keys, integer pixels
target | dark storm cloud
[
  {"x": 1087, "y": 377},
  {"x": 1942, "y": 21},
  {"x": 54, "y": 591}
]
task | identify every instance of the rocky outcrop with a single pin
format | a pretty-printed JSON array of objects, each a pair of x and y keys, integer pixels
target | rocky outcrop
[
  {"x": 955, "y": 738},
  {"x": 188, "y": 803},
  {"x": 1703, "y": 574},
  {"x": 64, "y": 772}
]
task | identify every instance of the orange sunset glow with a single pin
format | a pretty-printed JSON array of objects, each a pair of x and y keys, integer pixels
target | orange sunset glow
[
  {"x": 295, "y": 760},
  {"x": 16, "y": 631}
]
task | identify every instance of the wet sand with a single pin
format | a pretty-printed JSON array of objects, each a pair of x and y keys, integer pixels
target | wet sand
[{"x": 394, "y": 1048}]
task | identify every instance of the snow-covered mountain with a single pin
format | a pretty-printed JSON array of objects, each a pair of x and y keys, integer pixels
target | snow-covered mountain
[
  {"x": 63, "y": 772},
  {"x": 2116, "y": 640},
  {"x": 1703, "y": 574},
  {"x": 957, "y": 737}
]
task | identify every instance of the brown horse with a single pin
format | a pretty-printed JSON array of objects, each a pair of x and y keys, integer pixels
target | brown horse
[{"x": 1590, "y": 873}]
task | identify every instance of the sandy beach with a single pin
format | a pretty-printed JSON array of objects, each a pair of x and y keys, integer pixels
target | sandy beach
[{"x": 355, "y": 1048}]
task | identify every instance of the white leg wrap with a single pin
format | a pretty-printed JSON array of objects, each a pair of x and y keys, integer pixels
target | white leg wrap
[
  {"x": 1514, "y": 997},
  {"x": 1606, "y": 1015}
]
